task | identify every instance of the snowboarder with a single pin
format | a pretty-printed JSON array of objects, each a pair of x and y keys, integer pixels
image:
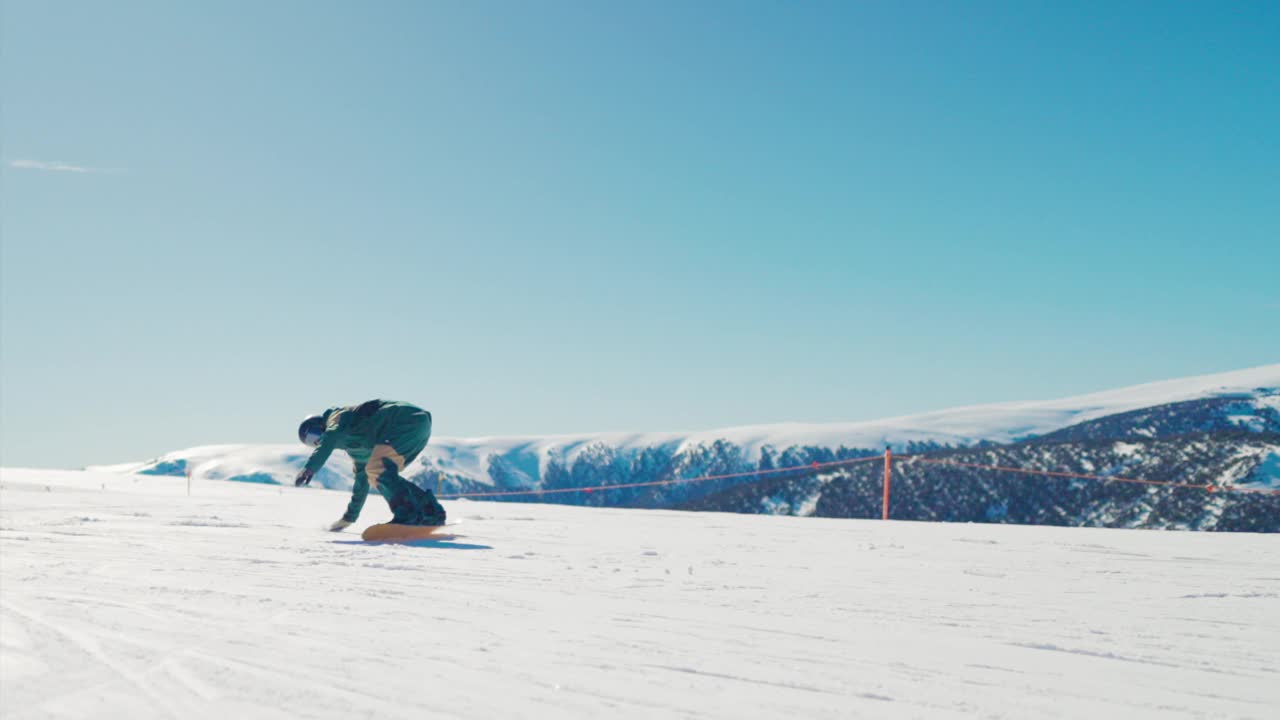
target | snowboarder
[{"x": 382, "y": 437}]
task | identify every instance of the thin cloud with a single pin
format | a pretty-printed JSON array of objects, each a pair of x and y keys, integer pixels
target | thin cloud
[{"x": 55, "y": 167}]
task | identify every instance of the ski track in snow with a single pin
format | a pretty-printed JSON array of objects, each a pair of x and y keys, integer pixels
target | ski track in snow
[{"x": 120, "y": 596}]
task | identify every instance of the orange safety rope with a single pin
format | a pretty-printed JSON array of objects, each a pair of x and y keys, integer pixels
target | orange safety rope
[{"x": 811, "y": 467}]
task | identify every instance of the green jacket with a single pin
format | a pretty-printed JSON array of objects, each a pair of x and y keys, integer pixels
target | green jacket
[{"x": 359, "y": 429}]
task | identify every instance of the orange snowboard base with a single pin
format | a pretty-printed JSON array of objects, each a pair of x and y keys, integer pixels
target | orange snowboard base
[{"x": 391, "y": 532}]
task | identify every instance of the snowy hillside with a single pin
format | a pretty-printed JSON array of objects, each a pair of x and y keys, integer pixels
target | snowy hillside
[
  {"x": 929, "y": 487},
  {"x": 120, "y": 596},
  {"x": 535, "y": 461}
]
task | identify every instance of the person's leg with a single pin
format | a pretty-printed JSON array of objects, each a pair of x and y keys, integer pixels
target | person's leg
[{"x": 410, "y": 504}]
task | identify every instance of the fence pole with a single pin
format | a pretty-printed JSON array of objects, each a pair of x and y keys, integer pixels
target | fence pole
[{"x": 888, "y": 465}]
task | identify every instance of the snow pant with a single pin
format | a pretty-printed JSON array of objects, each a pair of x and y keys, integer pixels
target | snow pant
[{"x": 410, "y": 504}]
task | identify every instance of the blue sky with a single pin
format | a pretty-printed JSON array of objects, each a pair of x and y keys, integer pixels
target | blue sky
[{"x": 558, "y": 217}]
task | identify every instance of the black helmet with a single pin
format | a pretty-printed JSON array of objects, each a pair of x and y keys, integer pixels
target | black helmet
[{"x": 311, "y": 430}]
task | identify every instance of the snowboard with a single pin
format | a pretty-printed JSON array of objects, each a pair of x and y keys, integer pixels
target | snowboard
[{"x": 392, "y": 532}]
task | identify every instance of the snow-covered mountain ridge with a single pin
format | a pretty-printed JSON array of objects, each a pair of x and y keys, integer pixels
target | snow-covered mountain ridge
[
  {"x": 565, "y": 460},
  {"x": 930, "y": 488}
]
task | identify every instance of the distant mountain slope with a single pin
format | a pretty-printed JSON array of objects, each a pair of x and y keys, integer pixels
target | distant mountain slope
[
  {"x": 926, "y": 491},
  {"x": 1248, "y": 399},
  {"x": 1257, "y": 412}
]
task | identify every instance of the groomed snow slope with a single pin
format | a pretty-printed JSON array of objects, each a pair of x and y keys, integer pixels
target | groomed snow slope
[
  {"x": 120, "y": 596},
  {"x": 530, "y": 455}
]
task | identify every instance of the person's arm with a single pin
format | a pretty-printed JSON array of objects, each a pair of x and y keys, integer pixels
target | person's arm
[
  {"x": 319, "y": 456},
  {"x": 358, "y": 495}
]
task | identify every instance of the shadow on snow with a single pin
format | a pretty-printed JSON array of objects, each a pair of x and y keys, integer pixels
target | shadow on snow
[{"x": 426, "y": 542}]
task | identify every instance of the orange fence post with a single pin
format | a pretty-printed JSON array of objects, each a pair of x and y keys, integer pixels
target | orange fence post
[{"x": 888, "y": 464}]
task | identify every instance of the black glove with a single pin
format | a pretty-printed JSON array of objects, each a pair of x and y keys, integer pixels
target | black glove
[{"x": 304, "y": 478}]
